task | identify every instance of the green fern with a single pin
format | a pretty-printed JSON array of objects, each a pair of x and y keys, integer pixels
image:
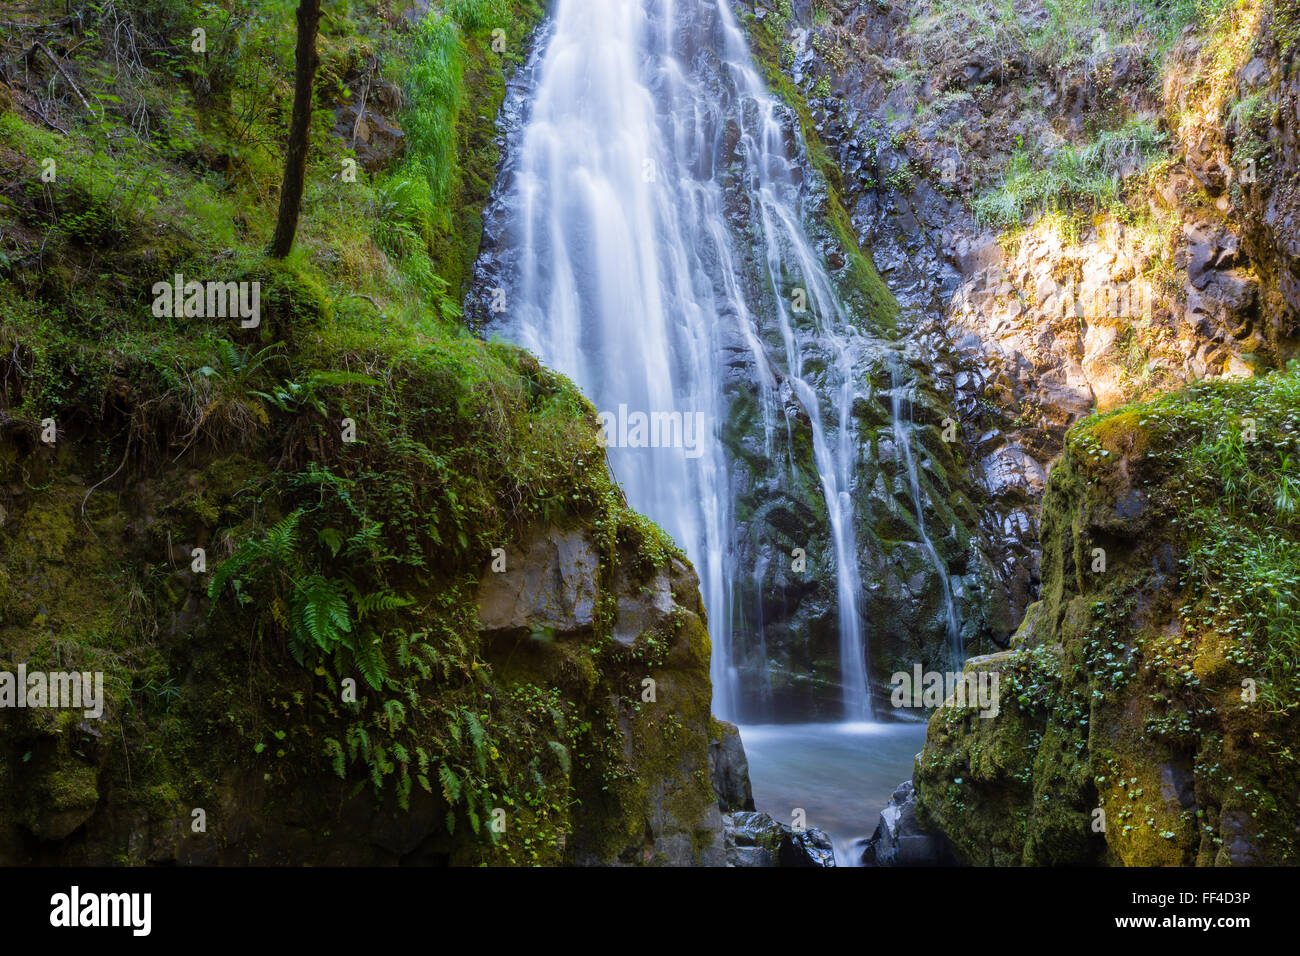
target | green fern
[
  {"x": 320, "y": 613},
  {"x": 561, "y": 754},
  {"x": 378, "y": 602},
  {"x": 396, "y": 715},
  {"x": 404, "y": 790},
  {"x": 369, "y": 659},
  {"x": 358, "y": 742},
  {"x": 450, "y": 784},
  {"x": 275, "y": 549},
  {"x": 334, "y": 750},
  {"x": 478, "y": 738}
]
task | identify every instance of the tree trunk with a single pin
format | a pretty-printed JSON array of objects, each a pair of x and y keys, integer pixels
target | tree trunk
[{"x": 295, "y": 160}]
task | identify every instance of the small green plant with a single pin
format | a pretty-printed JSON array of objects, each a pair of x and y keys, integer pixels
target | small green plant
[{"x": 1077, "y": 179}]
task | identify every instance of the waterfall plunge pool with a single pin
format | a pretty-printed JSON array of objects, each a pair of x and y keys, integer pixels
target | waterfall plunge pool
[{"x": 842, "y": 775}]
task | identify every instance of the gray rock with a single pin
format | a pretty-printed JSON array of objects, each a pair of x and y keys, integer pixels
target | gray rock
[
  {"x": 549, "y": 584},
  {"x": 640, "y": 608},
  {"x": 755, "y": 839},
  {"x": 755, "y": 856},
  {"x": 729, "y": 769},
  {"x": 900, "y": 840},
  {"x": 806, "y": 848}
]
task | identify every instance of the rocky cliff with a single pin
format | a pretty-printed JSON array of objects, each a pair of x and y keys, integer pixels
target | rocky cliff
[
  {"x": 1076, "y": 208},
  {"x": 1073, "y": 209}
]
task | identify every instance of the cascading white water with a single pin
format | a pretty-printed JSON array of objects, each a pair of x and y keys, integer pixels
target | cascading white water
[
  {"x": 902, "y": 415},
  {"x": 628, "y": 273}
]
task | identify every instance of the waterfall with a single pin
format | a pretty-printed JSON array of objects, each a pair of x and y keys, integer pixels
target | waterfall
[
  {"x": 626, "y": 265},
  {"x": 902, "y": 415}
]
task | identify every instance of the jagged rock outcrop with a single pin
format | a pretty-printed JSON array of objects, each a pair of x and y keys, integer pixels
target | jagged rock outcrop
[
  {"x": 367, "y": 120},
  {"x": 925, "y": 110},
  {"x": 543, "y": 606},
  {"x": 729, "y": 769}
]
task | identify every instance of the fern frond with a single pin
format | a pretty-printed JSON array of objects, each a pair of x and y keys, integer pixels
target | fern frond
[
  {"x": 395, "y": 713},
  {"x": 321, "y": 613},
  {"x": 379, "y": 602},
  {"x": 334, "y": 750},
  {"x": 404, "y": 789},
  {"x": 244, "y": 555},
  {"x": 478, "y": 738},
  {"x": 369, "y": 657},
  {"x": 229, "y": 357},
  {"x": 450, "y": 784},
  {"x": 561, "y": 754},
  {"x": 282, "y": 539}
]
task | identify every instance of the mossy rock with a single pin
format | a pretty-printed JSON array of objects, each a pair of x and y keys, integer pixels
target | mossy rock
[{"x": 1145, "y": 722}]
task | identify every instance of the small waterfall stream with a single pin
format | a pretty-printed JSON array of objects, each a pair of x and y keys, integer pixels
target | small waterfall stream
[{"x": 901, "y": 407}]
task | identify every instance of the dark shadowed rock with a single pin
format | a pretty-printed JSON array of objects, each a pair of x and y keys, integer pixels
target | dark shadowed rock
[
  {"x": 729, "y": 768},
  {"x": 901, "y": 840},
  {"x": 755, "y": 839}
]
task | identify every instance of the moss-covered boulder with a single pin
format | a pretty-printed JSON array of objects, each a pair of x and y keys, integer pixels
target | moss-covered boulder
[
  {"x": 1146, "y": 712},
  {"x": 358, "y": 675}
]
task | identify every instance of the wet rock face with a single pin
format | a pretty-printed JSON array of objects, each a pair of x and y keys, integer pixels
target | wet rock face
[
  {"x": 785, "y": 633},
  {"x": 791, "y": 664}
]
